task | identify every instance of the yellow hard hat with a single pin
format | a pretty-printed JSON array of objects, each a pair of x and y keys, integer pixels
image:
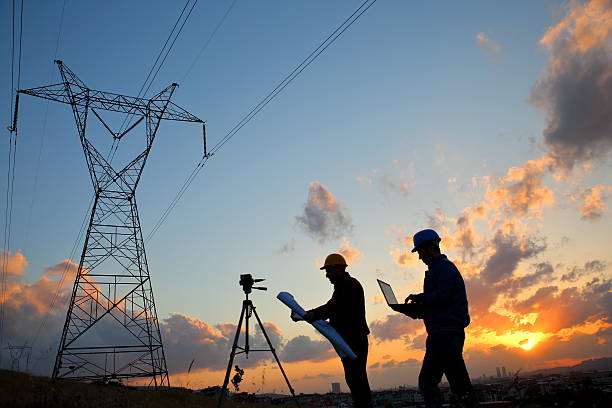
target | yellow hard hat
[{"x": 334, "y": 259}]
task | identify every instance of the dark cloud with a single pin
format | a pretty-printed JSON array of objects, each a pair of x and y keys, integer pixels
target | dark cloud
[
  {"x": 575, "y": 92},
  {"x": 569, "y": 307},
  {"x": 317, "y": 377},
  {"x": 543, "y": 272},
  {"x": 303, "y": 348},
  {"x": 589, "y": 267},
  {"x": 509, "y": 251},
  {"x": 482, "y": 359},
  {"x": 287, "y": 247},
  {"x": 395, "y": 326},
  {"x": 324, "y": 217}
]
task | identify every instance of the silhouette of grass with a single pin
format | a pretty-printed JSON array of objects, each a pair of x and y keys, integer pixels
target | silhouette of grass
[{"x": 21, "y": 390}]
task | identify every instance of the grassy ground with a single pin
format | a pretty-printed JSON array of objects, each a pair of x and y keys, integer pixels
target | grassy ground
[{"x": 21, "y": 390}]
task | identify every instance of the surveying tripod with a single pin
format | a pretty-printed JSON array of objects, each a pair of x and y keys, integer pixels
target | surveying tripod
[{"x": 248, "y": 309}]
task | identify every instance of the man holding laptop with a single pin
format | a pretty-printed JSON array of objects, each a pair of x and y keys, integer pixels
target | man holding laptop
[{"x": 443, "y": 307}]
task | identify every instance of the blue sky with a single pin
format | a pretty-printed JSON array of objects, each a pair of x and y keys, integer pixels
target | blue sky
[{"x": 408, "y": 94}]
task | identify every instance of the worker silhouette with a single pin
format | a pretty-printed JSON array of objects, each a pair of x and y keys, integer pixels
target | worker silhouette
[
  {"x": 443, "y": 306},
  {"x": 346, "y": 313}
]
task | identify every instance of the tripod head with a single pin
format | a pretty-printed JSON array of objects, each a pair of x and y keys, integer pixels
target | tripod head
[{"x": 247, "y": 281}]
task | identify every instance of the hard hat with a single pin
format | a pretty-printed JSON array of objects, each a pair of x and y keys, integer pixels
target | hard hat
[
  {"x": 424, "y": 236},
  {"x": 333, "y": 260}
]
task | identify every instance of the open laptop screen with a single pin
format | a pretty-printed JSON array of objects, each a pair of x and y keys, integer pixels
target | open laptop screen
[{"x": 387, "y": 292}]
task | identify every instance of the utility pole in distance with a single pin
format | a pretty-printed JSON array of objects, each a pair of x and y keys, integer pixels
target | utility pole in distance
[{"x": 111, "y": 329}]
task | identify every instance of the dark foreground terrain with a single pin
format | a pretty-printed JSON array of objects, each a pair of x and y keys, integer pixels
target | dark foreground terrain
[{"x": 23, "y": 390}]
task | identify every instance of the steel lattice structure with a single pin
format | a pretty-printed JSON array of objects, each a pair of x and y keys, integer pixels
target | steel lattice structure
[{"x": 112, "y": 286}]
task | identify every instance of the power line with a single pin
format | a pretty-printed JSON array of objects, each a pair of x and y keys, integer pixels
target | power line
[
  {"x": 12, "y": 154},
  {"x": 142, "y": 90},
  {"x": 112, "y": 151},
  {"x": 208, "y": 41},
  {"x": 262, "y": 104},
  {"x": 43, "y": 134}
]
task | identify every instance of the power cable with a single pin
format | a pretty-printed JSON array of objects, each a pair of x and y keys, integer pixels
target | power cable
[
  {"x": 142, "y": 92},
  {"x": 43, "y": 133},
  {"x": 8, "y": 213},
  {"x": 255, "y": 110},
  {"x": 208, "y": 41},
  {"x": 111, "y": 154}
]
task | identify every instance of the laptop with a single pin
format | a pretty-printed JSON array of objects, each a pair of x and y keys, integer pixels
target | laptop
[{"x": 387, "y": 292}]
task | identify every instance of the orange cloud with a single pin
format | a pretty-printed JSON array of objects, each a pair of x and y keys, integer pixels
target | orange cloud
[
  {"x": 585, "y": 27},
  {"x": 486, "y": 44},
  {"x": 16, "y": 263},
  {"x": 404, "y": 257},
  {"x": 593, "y": 198},
  {"x": 522, "y": 191},
  {"x": 350, "y": 254}
]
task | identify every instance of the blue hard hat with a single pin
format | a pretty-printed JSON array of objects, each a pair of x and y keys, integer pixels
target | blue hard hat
[{"x": 423, "y": 236}]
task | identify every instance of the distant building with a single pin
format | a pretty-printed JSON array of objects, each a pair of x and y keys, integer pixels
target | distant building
[
  {"x": 335, "y": 388},
  {"x": 498, "y": 372},
  {"x": 504, "y": 371}
]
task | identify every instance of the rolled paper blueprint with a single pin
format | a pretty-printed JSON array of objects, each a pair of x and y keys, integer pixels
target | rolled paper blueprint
[{"x": 343, "y": 349}]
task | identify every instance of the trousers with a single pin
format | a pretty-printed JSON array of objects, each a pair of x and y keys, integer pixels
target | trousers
[
  {"x": 355, "y": 372},
  {"x": 444, "y": 355}
]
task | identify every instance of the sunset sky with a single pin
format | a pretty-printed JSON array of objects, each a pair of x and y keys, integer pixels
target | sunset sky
[{"x": 490, "y": 122}]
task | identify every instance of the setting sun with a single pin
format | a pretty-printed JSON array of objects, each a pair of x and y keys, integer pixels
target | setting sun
[{"x": 527, "y": 344}]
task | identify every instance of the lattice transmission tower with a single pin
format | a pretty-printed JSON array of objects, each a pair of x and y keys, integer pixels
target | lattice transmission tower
[{"x": 111, "y": 329}]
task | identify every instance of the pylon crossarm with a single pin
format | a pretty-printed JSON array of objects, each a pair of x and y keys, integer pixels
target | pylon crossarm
[
  {"x": 109, "y": 101},
  {"x": 55, "y": 92}
]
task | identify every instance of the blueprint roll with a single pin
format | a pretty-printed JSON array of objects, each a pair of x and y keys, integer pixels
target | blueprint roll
[{"x": 323, "y": 327}]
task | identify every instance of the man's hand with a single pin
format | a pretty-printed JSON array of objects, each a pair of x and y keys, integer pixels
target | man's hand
[
  {"x": 309, "y": 317},
  {"x": 409, "y": 309},
  {"x": 414, "y": 298}
]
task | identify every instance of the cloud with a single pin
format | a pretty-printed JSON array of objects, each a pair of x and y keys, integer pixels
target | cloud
[
  {"x": 543, "y": 272},
  {"x": 576, "y": 273},
  {"x": 486, "y": 44},
  {"x": 16, "y": 263},
  {"x": 28, "y": 305},
  {"x": 287, "y": 247},
  {"x": 401, "y": 186},
  {"x": 411, "y": 362},
  {"x": 522, "y": 191},
  {"x": 593, "y": 198},
  {"x": 404, "y": 257},
  {"x": 324, "y": 217},
  {"x": 303, "y": 348},
  {"x": 579, "y": 346},
  {"x": 575, "y": 91},
  {"x": 317, "y": 377},
  {"x": 560, "y": 309},
  {"x": 509, "y": 250},
  {"x": 350, "y": 254},
  {"x": 395, "y": 326},
  {"x": 393, "y": 179}
]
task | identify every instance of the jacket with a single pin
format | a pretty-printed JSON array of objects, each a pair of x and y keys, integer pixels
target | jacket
[
  {"x": 346, "y": 309},
  {"x": 445, "y": 305}
]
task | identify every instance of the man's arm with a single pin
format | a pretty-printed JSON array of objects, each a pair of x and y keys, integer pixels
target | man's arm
[
  {"x": 448, "y": 280},
  {"x": 411, "y": 310},
  {"x": 323, "y": 312}
]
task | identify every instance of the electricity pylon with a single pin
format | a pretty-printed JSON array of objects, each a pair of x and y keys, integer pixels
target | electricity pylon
[{"x": 111, "y": 329}]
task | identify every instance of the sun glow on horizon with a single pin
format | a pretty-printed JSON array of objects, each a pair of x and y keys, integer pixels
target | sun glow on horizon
[{"x": 527, "y": 344}]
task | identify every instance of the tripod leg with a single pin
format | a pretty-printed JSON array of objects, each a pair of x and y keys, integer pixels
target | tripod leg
[
  {"x": 231, "y": 359},
  {"x": 263, "y": 330}
]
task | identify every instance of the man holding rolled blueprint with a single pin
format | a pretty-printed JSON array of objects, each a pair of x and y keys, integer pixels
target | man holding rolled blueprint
[{"x": 346, "y": 313}]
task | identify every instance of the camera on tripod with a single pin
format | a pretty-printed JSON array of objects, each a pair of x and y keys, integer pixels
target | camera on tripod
[{"x": 247, "y": 281}]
